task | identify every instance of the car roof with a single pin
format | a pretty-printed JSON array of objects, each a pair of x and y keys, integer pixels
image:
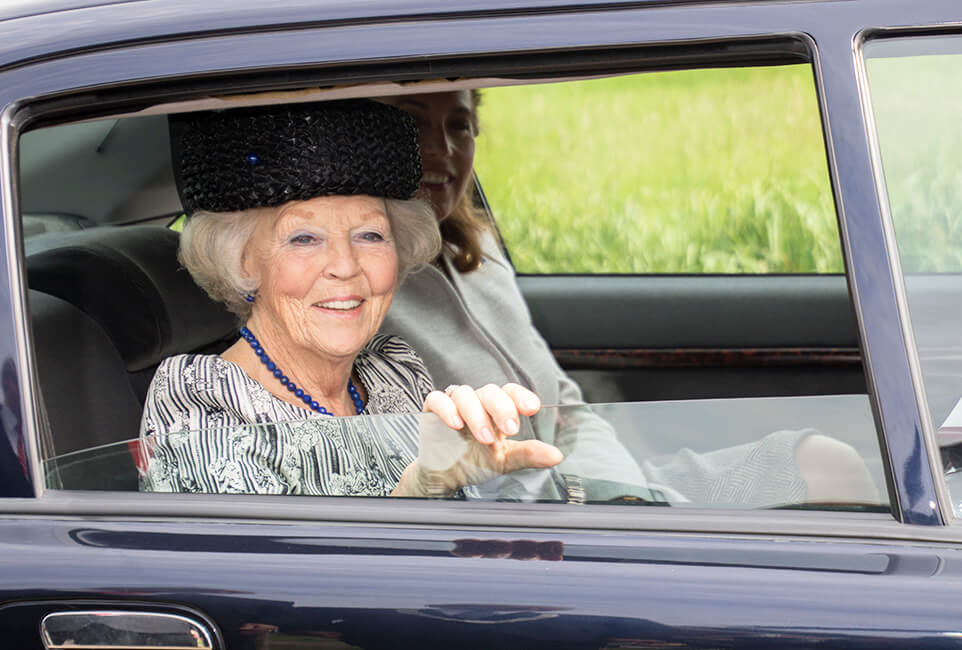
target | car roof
[
  {"x": 331, "y": 8},
  {"x": 24, "y": 8},
  {"x": 318, "y": 9},
  {"x": 35, "y": 28}
]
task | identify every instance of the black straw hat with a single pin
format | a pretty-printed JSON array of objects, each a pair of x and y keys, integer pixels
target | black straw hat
[{"x": 268, "y": 155}]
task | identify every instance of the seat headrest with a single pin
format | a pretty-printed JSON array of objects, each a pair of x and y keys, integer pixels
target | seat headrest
[{"x": 128, "y": 279}]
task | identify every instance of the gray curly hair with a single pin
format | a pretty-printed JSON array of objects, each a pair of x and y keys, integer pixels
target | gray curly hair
[{"x": 212, "y": 248}]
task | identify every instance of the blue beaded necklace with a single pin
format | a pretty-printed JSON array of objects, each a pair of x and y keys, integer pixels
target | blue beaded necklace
[{"x": 248, "y": 336}]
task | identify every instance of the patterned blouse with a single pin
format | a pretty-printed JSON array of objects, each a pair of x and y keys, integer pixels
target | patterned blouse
[{"x": 209, "y": 427}]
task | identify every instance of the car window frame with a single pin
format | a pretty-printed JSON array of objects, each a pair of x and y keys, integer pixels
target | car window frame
[
  {"x": 47, "y": 78},
  {"x": 927, "y": 424}
]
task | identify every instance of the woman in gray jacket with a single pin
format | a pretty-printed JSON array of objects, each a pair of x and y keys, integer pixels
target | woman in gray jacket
[{"x": 466, "y": 317}]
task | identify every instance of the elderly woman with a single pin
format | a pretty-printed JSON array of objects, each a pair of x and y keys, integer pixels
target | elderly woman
[{"x": 301, "y": 224}]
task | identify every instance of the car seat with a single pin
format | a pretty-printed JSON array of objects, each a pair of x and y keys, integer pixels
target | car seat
[
  {"x": 132, "y": 305},
  {"x": 128, "y": 279},
  {"x": 87, "y": 397}
]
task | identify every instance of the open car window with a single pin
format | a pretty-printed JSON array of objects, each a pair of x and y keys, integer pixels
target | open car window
[{"x": 716, "y": 393}]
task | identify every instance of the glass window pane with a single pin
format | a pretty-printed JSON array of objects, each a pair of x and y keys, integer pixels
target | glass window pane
[
  {"x": 917, "y": 106},
  {"x": 692, "y": 171},
  {"x": 652, "y": 453}
]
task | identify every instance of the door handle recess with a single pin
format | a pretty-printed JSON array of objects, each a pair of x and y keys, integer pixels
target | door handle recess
[{"x": 122, "y": 630}]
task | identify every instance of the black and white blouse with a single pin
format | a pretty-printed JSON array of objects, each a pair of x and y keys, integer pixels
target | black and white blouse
[{"x": 209, "y": 427}]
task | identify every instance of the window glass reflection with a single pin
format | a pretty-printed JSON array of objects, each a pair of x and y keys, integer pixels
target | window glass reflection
[{"x": 721, "y": 453}]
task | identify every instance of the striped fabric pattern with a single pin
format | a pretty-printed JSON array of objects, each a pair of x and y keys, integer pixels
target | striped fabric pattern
[{"x": 209, "y": 427}]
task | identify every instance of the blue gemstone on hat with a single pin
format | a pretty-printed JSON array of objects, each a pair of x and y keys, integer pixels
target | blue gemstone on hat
[{"x": 253, "y": 159}]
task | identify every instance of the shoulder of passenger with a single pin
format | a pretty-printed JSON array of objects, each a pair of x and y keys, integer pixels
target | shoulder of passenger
[
  {"x": 179, "y": 362},
  {"x": 174, "y": 374},
  {"x": 395, "y": 352},
  {"x": 390, "y": 345}
]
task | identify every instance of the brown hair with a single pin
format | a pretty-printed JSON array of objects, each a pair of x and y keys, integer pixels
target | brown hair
[{"x": 463, "y": 228}]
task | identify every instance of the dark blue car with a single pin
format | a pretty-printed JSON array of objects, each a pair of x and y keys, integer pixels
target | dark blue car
[{"x": 617, "y": 139}]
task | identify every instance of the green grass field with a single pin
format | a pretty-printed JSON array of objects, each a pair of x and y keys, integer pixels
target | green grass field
[{"x": 711, "y": 171}]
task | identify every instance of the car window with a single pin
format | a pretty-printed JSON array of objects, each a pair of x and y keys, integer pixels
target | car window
[
  {"x": 690, "y": 171},
  {"x": 761, "y": 404},
  {"x": 917, "y": 105}
]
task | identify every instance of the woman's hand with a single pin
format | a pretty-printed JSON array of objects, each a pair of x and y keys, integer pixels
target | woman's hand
[{"x": 475, "y": 445}]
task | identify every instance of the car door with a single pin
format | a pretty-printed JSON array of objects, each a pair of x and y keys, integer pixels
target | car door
[{"x": 120, "y": 568}]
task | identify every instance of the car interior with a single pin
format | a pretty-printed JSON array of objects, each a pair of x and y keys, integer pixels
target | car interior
[{"x": 101, "y": 264}]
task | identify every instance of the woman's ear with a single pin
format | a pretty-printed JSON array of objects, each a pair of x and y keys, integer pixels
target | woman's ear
[
  {"x": 249, "y": 275},
  {"x": 248, "y": 265},
  {"x": 245, "y": 262}
]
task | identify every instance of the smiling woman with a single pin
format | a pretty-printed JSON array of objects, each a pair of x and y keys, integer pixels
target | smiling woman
[
  {"x": 447, "y": 126},
  {"x": 346, "y": 238},
  {"x": 293, "y": 213}
]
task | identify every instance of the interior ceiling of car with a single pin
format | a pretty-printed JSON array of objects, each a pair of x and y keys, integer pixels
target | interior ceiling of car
[
  {"x": 126, "y": 158},
  {"x": 126, "y": 167},
  {"x": 350, "y": 91}
]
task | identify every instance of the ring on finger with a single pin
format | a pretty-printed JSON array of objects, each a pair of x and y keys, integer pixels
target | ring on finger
[{"x": 451, "y": 388}]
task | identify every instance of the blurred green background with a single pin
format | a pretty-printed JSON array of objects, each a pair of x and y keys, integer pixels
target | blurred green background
[
  {"x": 704, "y": 171},
  {"x": 917, "y": 102}
]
